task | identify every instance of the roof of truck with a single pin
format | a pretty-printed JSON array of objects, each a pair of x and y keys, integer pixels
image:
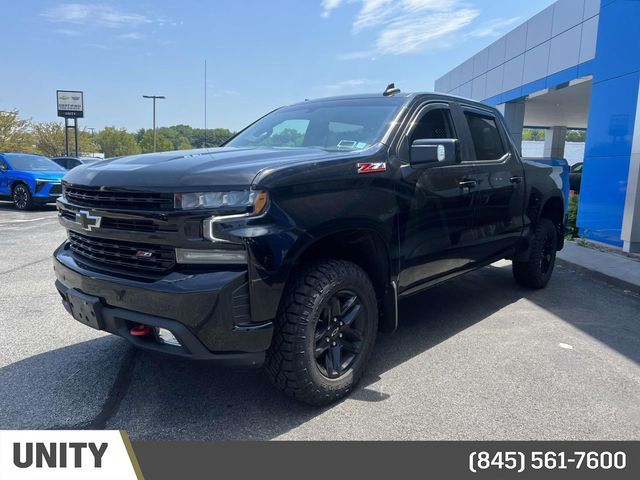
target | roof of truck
[{"x": 401, "y": 97}]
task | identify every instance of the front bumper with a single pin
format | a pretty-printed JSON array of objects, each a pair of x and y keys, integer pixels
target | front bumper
[
  {"x": 48, "y": 191},
  {"x": 206, "y": 312}
]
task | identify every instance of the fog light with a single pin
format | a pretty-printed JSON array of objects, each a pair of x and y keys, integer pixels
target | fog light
[
  {"x": 220, "y": 257},
  {"x": 167, "y": 337}
]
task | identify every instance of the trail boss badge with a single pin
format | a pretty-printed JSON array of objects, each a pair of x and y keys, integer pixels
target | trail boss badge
[{"x": 372, "y": 167}]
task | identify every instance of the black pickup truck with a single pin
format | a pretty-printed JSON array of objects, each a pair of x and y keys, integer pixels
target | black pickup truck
[{"x": 291, "y": 244}]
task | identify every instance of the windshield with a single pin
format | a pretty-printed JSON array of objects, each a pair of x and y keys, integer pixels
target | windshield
[
  {"x": 335, "y": 125},
  {"x": 33, "y": 163}
]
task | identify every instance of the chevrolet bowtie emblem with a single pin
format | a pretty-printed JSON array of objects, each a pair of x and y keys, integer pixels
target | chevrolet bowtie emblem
[{"x": 87, "y": 221}]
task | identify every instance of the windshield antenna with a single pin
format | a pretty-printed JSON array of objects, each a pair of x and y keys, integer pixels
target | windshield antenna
[{"x": 391, "y": 90}]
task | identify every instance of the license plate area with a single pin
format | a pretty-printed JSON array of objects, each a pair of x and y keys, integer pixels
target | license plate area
[{"x": 85, "y": 309}]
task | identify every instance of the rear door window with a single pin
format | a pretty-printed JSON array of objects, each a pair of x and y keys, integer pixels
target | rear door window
[{"x": 486, "y": 137}]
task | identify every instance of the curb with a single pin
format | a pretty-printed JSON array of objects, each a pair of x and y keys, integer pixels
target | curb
[{"x": 615, "y": 281}]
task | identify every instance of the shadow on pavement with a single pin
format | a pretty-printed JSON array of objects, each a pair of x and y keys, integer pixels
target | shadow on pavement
[{"x": 102, "y": 383}]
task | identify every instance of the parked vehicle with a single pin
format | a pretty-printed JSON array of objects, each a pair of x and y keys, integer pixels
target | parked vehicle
[
  {"x": 575, "y": 177},
  {"x": 29, "y": 180},
  {"x": 293, "y": 242},
  {"x": 72, "y": 162}
]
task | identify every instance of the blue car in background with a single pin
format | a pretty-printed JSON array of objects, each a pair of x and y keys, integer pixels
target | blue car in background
[{"x": 29, "y": 180}]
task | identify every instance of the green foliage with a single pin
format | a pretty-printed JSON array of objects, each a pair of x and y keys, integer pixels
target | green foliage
[
  {"x": 289, "y": 137},
  {"x": 49, "y": 140},
  {"x": 215, "y": 137},
  {"x": 163, "y": 144},
  {"x": 184, "y": 137},
  {"x": 115, "y": 142},
  {"x": 576, "y": 135},
  {"x": 538, "y": 134},
  {"x": 533, "y": 134},
  {"x": 15, "y": 134},
  {"x": 572, "y": 217}
]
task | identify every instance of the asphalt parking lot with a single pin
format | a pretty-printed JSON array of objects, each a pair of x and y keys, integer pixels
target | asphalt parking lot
[{"x": 477, "y": 358}]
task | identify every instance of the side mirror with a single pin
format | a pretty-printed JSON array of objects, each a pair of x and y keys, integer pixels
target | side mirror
[
  {"x": 3, "y": 167},
  {"x": 434, "y": 150}
]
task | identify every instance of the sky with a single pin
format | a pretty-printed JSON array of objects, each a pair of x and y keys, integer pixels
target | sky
[{"x": 260, "y": 54}]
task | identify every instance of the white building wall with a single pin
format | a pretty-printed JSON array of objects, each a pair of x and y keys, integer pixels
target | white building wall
[{"x": 561, "y": 36}]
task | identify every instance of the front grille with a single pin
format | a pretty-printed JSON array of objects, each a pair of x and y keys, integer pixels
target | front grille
[
  {"x": 122, "y": 200},
  {"x": 125, "y": 223},
  {"x": 55, "y": 189},
  {"x": 126, "y": 255}
]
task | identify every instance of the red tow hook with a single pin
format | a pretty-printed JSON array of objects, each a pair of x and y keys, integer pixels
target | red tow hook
[{"x": 140, "y": 330}]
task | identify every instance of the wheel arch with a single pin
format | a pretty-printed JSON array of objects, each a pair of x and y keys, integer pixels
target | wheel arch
[
  {"x": 365, "y": 246},
  {"x": 553, "y": 209},
  {"x": 16, "y": 181}
]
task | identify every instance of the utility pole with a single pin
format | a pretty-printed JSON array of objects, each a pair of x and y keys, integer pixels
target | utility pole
[
  {"x": 205, "y": 104},
  {"x": 154, "y": 97}
]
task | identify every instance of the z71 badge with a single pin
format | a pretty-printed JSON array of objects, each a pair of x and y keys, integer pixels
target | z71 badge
[{"x": 372, "y": 167}]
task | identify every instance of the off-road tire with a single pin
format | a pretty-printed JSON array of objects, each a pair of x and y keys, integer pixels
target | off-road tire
[
  {"x": 291, "y": 360},
  {"x": 536, "y": 272},
  {"x": 22, "y": 197}
]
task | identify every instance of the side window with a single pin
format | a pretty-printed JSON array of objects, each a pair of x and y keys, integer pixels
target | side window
[
  {"x": 486, "y": 136},
  {"x": 433, "y": 124}
]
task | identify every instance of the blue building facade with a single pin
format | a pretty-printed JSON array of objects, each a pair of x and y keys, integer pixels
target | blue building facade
[{"x": 574, "y": 65}]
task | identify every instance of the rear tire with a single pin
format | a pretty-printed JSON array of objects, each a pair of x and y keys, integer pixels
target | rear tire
[
  {"x": 22, "y": 198},
  {"x": 324, "y": 332},
  {"x": 536, "y": 272}
]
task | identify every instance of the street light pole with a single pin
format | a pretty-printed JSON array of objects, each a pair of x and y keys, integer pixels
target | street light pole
[{"x": 154, "y": 97}]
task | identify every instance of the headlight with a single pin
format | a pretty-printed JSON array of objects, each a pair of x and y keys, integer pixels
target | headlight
[
  {"x": 253, "y": 202},
  {"x": 241, "y": 199}
]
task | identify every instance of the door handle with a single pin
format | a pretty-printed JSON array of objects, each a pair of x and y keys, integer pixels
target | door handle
[
  {"x": 468, "y": 184},
  {"x": 516, "y": 179}
]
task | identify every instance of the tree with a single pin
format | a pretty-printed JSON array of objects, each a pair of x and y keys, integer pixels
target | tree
[
  {"x": 289, "y": 137},
  {"x": 576, "y": 135},
  {"x": 534, "y": 134},
  {"x": 14, "y": 133},
  {"x": 50, "y": 140},
  {"x": 163, "y": 144},
  {"x": 175, "y": 135},
  {"x": 184, "y": 144},
  {"x": 116, "y": 142},
  {"x": 215, "y": 137}
]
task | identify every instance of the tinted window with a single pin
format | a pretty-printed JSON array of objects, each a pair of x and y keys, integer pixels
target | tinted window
[
  {"x": 485, "y": 136},
  {"x": 433, "y": 124}
]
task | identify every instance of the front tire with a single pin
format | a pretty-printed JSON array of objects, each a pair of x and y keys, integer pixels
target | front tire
[
  {"x": 536, "y": 272},
  {"x": 22, "y": 198},
  {"x": 324, "y": 333}
]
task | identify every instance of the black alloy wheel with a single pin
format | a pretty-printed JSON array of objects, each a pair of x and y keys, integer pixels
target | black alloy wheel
[
  {"x": 536, "y": 271},
  {"x": 339, "y": 334},
  {"x": 22, "y": 199}
]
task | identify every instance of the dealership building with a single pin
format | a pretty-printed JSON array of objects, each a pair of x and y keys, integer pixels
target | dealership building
[{"x": 574, "y": 65}]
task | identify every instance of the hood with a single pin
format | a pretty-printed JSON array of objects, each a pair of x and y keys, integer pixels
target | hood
[{"x": 190, "y": 169}]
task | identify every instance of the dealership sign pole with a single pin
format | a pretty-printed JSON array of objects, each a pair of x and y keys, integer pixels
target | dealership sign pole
[{"x": 70, "y": 105}]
